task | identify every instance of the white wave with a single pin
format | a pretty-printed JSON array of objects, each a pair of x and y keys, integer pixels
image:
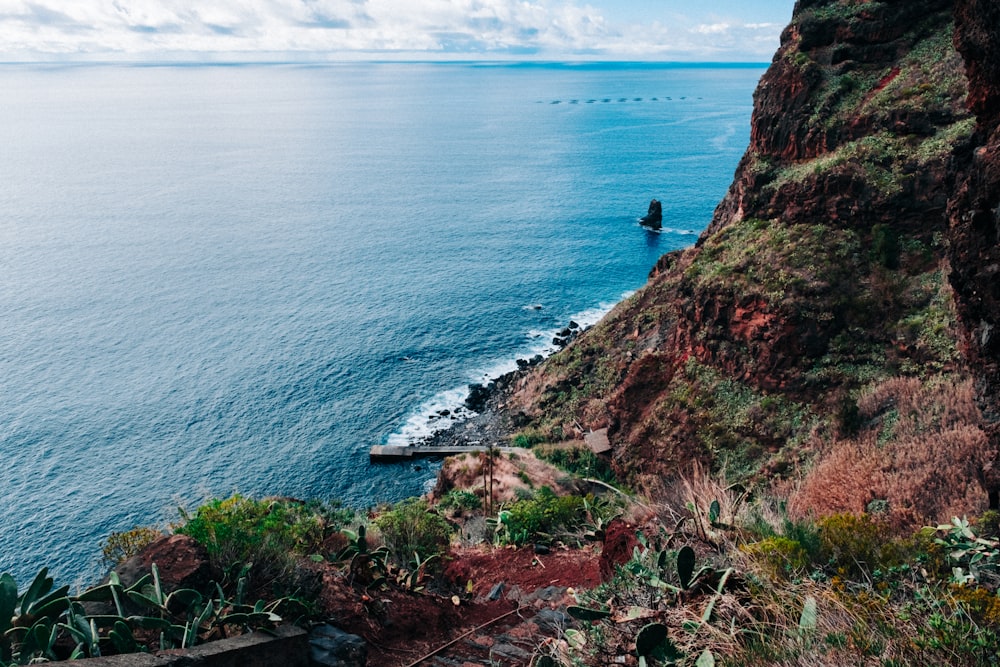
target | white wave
[{"x": 426, "y": 419}]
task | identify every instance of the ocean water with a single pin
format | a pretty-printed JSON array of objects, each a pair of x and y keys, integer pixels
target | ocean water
[{"x": 239, "y": 278}]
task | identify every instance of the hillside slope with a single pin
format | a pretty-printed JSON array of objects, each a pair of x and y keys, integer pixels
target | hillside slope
[{"x": 810, "y": 339}]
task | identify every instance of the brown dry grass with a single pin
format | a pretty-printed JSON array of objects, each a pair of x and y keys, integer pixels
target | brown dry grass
[
  {"x": 922, "y": 449},
  {"x": 518, "y": 472}
]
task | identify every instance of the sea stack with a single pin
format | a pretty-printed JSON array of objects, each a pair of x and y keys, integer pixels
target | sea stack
[{"x": 654, "y": 217}]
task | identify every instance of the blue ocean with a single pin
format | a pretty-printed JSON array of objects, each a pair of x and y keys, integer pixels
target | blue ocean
[{"x": 219, "y": 279}]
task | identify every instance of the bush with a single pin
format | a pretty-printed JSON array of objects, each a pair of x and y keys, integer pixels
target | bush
[
  {"x": 542, "y": 517},
  {"x": 528, "y": 438},
  {"x": 857, "y": 545},
  {"x": 580, "y": 461},
  {"x": 258, "y": 538},
  {"x": 410, "y": 528},
  {"x": 885, "y": 246},
  {"x": 122, "y": 546},
  {"x": 460, "y": 501},
  {"x": 239, "y": 525},
  {"x": 780, "y": 556}
]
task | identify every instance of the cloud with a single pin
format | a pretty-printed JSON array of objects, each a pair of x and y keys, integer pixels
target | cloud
[{"x": 332, "y": 28}]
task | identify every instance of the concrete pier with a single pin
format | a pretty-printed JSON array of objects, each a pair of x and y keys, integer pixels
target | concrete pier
[{"x": 393, "y": 454}]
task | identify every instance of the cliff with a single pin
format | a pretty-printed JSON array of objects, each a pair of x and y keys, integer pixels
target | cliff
[
  {"x": 831, "y": 334},
  {"x": 975, "y": 216}
]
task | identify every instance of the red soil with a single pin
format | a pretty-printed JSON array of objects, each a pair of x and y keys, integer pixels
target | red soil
[{"x": 402, "y": 627}]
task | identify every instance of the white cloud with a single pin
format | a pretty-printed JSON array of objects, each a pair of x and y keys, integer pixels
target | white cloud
[
  {"x": 713, "y": 29},
  {"x": 139, "y": 29}
]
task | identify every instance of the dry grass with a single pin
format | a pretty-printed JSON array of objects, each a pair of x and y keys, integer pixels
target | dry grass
[
  {"x": 921, "y": 448},
  {"x": 513, "y": 474}
]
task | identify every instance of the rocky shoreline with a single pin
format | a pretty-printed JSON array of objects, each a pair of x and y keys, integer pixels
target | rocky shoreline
[{"x": 485, "y": 418}]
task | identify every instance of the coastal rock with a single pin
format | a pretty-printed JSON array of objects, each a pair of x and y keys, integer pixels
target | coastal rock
[
  {"x": 478, "y": 395},
  {"x": 654, "y": 217}
]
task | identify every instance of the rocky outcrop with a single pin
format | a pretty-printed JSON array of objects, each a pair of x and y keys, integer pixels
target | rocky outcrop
[{"x": 180, "y": 561}]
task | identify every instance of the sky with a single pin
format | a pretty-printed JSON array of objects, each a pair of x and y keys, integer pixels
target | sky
[{"x": 711, "y": 30}]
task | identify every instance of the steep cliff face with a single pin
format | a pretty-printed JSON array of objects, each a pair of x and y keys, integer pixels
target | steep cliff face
[
  {"x": 817, "y": 301},
  {"x": 975, "y": 214}
]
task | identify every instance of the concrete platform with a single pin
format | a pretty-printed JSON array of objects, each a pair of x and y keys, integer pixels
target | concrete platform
[{"x": 393, "y": 454}]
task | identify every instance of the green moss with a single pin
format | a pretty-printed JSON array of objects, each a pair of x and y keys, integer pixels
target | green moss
[
  {"x": 931, "y": 329},
  {"x": 738, "y": 423},
  {"x": 777, "y": 261}
]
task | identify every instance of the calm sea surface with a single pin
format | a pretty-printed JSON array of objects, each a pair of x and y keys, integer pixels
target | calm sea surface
[{"x": 219, "y": 279}]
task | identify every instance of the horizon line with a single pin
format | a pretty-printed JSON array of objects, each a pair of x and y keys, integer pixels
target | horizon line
[{"x": 389, "y": 61}]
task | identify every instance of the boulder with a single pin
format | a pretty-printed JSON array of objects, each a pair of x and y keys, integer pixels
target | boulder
[
  {"x": 180, "y": 561},
  {"x": 477, "y": 398}
]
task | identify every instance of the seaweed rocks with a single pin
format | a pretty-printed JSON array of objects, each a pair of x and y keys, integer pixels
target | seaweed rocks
[{"x": 654, "y": 217}]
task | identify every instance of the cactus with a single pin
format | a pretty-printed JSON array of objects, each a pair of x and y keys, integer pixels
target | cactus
[
  {"x": 653, "y": 642},
  {"x": 809, "y": 617},
  {"x": 685, "y": 566},
  {"x": 586, "y": 614},
  {"x": 123, "y": 639},
  {"x": 31, "y": 623},
  {"x": 714, "y": 511}
]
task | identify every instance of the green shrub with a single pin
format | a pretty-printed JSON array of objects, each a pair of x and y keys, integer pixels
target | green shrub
[
  {"x": 239, "y": 525},
  {"x": 857, "y": 545},
  {"x": 410, "y": 528},
  {"x": 580, "y": 461},
  {"x": 528, "y": 438},
  {"x": 780, "y": 556},
  {"x": 121, "y": 546},
  {"x": 258, "y": 539},
  {"x": 541, "y": 518},
  {"x": 460, "y": 501}
]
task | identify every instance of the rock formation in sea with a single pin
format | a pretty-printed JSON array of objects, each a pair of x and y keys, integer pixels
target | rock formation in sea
[
  {"x": 832, "y": 332},
  {"x": 654, "y": 216}
]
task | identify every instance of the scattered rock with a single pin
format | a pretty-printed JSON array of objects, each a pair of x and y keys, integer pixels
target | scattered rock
[
  {"x": 332, "y": 647},
  {"x": 553, "y": 620},
  {"x": 508, "y": 651}
]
